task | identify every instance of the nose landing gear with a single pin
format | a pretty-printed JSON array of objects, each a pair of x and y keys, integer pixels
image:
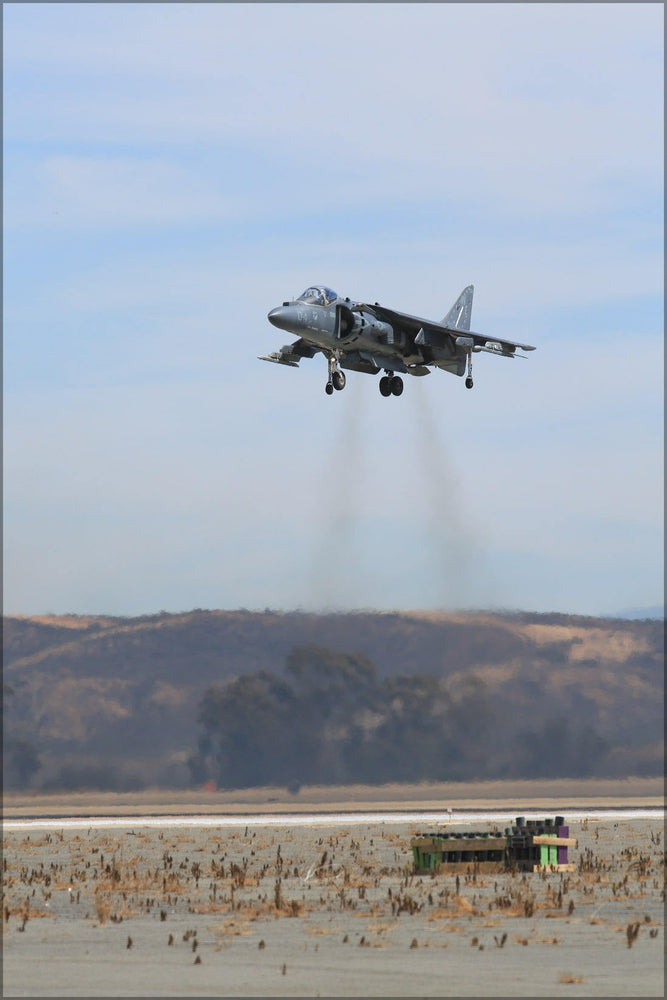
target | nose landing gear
[
  {"x": 391, "y": 384},
  {"x": 337, "y": 378}
]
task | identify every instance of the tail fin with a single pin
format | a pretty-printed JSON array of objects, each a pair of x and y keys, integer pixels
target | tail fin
[{"x": 458, "y": 317}]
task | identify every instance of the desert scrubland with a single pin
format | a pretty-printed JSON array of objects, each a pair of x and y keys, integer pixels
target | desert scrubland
[{"x": 322, "y": 909}]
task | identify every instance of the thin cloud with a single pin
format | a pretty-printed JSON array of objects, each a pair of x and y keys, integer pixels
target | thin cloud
[
  {"x": 463, "y": 113},
  {"x": 82, "y": 192}
]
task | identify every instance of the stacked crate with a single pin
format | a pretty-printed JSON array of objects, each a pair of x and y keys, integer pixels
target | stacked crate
[
  {"x": 533, "y": 845},
  {"x": 540, "y": 845},
  {"x": 459, "y": 852}
]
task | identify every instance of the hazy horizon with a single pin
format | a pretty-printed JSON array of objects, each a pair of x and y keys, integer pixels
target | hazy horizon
[{"x": 656, "y": 612}]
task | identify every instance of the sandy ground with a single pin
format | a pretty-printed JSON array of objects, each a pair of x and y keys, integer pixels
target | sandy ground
[{"x": 318, "y": 910}]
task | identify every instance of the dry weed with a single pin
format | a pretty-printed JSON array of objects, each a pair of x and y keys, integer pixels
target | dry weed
[
  {"x": 102, "y": 907},
  {"x": 317, "y": 931},
  {"x": 231, "y": 928}
]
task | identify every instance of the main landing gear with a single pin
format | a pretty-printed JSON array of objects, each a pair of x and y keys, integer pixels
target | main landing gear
[
  {"x": 469, "y": 382},
  {"x": 336, "y": 377},
  {"x": 390, "y": 384}
]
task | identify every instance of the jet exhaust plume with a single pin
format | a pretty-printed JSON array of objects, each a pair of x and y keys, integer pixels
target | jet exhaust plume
[
  {"x": 449, "y": 529},
  {"x": 433, "y": 544},
  {"x": 335, "y": 558}
]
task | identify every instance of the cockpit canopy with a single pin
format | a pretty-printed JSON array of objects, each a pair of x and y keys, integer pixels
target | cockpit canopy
[{"x": 318, "y": 295}]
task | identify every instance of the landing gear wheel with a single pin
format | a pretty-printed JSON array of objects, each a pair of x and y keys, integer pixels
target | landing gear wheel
[
  {"x": 469, "y": 382},
  {"x": 385, "y": 386},
  {"x": 397, "y": 385},
  {"x": 336, "y": 376}
]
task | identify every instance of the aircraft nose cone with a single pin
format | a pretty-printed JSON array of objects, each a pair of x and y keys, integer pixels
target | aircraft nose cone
[{"x": 279, "y": 317}]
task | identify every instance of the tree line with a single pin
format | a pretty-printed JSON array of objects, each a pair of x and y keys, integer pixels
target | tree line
[{"x": 329, "y": 719}]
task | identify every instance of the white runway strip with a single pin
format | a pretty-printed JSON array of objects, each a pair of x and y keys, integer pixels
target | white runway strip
[{"x": 322, "y": 819}]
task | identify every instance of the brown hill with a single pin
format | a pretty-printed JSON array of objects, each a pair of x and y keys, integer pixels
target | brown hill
[{"x": 114, "y": 702}]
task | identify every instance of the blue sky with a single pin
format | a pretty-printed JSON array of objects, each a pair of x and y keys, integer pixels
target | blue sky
[{"x": 173, "y": 171}]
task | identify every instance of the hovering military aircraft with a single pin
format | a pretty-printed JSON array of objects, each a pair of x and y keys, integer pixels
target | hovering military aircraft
[{"x": 371, "y": 338}]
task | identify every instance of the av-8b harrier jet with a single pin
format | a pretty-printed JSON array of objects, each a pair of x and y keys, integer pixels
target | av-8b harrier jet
[{"x": 371, "y": 338}]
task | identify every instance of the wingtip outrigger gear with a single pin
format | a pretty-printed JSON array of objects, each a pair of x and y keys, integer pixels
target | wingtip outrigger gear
[{"x": 469, "y": 381}]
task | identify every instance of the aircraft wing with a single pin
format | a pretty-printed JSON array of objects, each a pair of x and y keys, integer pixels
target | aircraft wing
[
  {"x": 428, "y": 332},
  {"x": 291, "y": 354}
]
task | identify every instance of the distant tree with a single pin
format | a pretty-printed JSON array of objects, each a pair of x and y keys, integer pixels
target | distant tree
[
  {"x": 411, "y": 739},
  {"x": 20, "y": 764},
  {"x": 332, "y": 691},
  {"x": 260, "y": 729},
  {"x": 331, "y": 720},
  {"x": 248, "y": 726},
  {"x": 329, "y": 677}
]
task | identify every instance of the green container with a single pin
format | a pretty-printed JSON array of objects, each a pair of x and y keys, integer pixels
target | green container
[{"x": 548, "y": 855}]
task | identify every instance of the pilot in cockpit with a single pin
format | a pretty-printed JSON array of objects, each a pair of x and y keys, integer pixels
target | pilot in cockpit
[{"x": 318, "y": 296}]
